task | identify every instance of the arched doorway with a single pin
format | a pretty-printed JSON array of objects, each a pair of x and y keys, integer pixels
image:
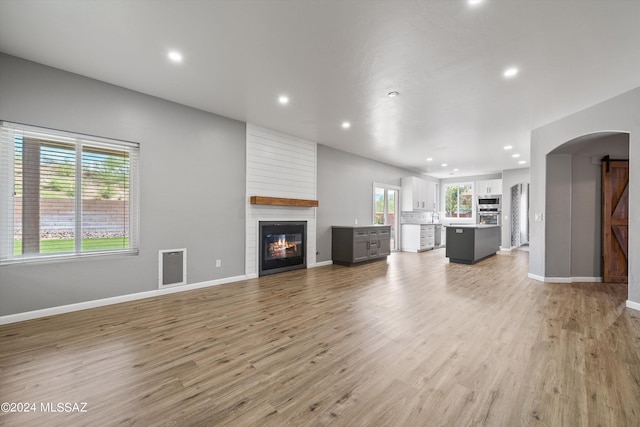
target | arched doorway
[{"x": 574, "y": 205}]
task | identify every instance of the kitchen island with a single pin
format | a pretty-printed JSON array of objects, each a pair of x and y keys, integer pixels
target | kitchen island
[{"x": 470, "y": 243}]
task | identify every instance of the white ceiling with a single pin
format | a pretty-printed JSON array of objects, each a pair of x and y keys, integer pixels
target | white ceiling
[{"x": 338, "y": 59}]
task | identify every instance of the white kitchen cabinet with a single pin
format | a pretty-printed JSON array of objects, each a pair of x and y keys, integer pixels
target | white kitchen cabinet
[
  {"x": 432, "y": 196},
  {"x": 419, "y": 237},
  {"x": 418, "y": 194},
  {"x": 411, "y": 194},
  {"x": 489, "y": 187}
]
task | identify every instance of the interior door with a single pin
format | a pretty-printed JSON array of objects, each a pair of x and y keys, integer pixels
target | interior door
[{"x": 615, "y": 220}]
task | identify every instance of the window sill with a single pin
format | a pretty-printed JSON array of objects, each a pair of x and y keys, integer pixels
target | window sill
[{"x": 58, "y": 258}]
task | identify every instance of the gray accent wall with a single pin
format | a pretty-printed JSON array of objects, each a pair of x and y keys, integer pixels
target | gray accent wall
[
  {"x": 192, "y": 176},
  {"x": 618, "y": 114},
  {"x": 558, "y": 215},
  {"x": 345, "y": 192}
]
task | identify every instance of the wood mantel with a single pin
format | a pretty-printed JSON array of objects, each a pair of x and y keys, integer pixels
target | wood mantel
[{"x": 278, "y": 201}]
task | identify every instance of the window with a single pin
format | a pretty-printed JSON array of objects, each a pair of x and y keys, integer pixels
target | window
[
  {"x": 458, "y": 200},
  {"x": 65, "y": 195}
]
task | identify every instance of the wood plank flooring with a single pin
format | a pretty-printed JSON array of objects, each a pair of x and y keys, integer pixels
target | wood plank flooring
[{"x": 415, "y": 341}]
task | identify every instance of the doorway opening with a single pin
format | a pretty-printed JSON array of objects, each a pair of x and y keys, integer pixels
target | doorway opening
[
  {"x": 520, "y": 215},
  {"x": 574, "y": 205},
  {"x": 386, "y": 209}
]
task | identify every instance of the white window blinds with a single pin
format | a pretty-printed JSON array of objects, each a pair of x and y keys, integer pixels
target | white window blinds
[{"x": 65, "y": 195}]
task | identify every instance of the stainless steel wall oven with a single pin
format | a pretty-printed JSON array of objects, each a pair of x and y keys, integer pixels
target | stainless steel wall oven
[{"x": 489, "y": 210}]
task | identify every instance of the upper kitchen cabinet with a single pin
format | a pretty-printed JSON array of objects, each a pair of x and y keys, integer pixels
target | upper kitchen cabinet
[
  {"x": 418, "y": 194},
  {"x": 431, "y": 195},
  {"x": 489, "y": 186}
]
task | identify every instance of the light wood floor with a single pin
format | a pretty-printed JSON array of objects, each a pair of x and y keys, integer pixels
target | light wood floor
[{"x": 415, "y": 341}]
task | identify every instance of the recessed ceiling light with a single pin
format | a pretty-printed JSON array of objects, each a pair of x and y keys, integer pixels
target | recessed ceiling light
[
  {"x": 456, "y": 170},
  {"x": 444, "y": 165},
  {"x": 515, "y": 156},
  {"x": 429, "y": 159},
  {"x": 474, "y": 2},
  {"x": 522, "y": 162},
  {"x": 175, "y": 56},
  {"x": 510, "y": 72},
  {"x": 346, "y": 125},
  {"x": 508, "y": 147},
  {"x": 393, "y": 94},
  {"x": 283, "y": 99}
]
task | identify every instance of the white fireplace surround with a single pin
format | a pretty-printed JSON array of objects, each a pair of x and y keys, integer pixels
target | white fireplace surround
[{"x": 278, "y": 165}]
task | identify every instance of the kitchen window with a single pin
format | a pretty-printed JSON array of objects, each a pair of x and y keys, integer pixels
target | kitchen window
[
  {"x": 65, "y": 195},
  {"x": 458, "y": 200}
]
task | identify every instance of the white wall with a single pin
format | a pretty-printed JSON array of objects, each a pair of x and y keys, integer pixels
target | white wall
[{"x": 278, "y": 165}]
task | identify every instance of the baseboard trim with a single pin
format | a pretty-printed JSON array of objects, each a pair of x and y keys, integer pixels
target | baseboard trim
[
  {"x": 557, "y": 279},
  {"x": 52, "y": 311},
  {"x": 565, "y": 279},
  {"x": 633, "y": 305},
  {"x": 321, "y": 264},
  {"x": 586, "y": 279},
  {"x": 504, "y": 249},
  {"x": 536, "y": 277}
]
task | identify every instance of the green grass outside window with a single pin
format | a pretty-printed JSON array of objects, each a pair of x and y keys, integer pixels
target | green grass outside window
[{"x": 68, "y": 245}]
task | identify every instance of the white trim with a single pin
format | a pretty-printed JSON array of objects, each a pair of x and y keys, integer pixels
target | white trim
[
  {"x": 633, "y": 305},
  {"x": 320, "y": 264},
  {"x": 502, "y": 248},
  {"x": 565, "y": 279},
  {"x": 586, "y": 280},
  {"x": 536, "y": 277},
  {"x": 550, "y": 279},
  {"x": 557, "y": 279},
  {"x": 29, "y": 315}
]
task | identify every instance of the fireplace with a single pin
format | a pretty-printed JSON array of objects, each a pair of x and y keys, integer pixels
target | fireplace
[{"x": 282, "y": 246}]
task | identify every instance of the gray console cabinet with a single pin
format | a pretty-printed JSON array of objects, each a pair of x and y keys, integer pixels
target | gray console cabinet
[{"x": 351, "y": 245}]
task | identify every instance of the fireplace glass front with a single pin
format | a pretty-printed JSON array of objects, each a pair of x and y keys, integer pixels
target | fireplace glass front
[{"x": 282, "y": 246}]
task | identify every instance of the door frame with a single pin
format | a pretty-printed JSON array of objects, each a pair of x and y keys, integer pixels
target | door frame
[{"x": 398, "y": 205}]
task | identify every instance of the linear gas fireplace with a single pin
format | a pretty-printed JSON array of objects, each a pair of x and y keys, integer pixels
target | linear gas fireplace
[{"x": 282, "y": 246}]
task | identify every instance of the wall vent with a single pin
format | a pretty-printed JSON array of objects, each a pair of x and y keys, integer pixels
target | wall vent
[{"x": 172, "y": 267}]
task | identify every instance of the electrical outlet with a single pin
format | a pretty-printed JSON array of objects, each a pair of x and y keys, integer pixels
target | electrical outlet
[
  {"x": 356, "y": 221},
  {"x": 218, "y": 263}
]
